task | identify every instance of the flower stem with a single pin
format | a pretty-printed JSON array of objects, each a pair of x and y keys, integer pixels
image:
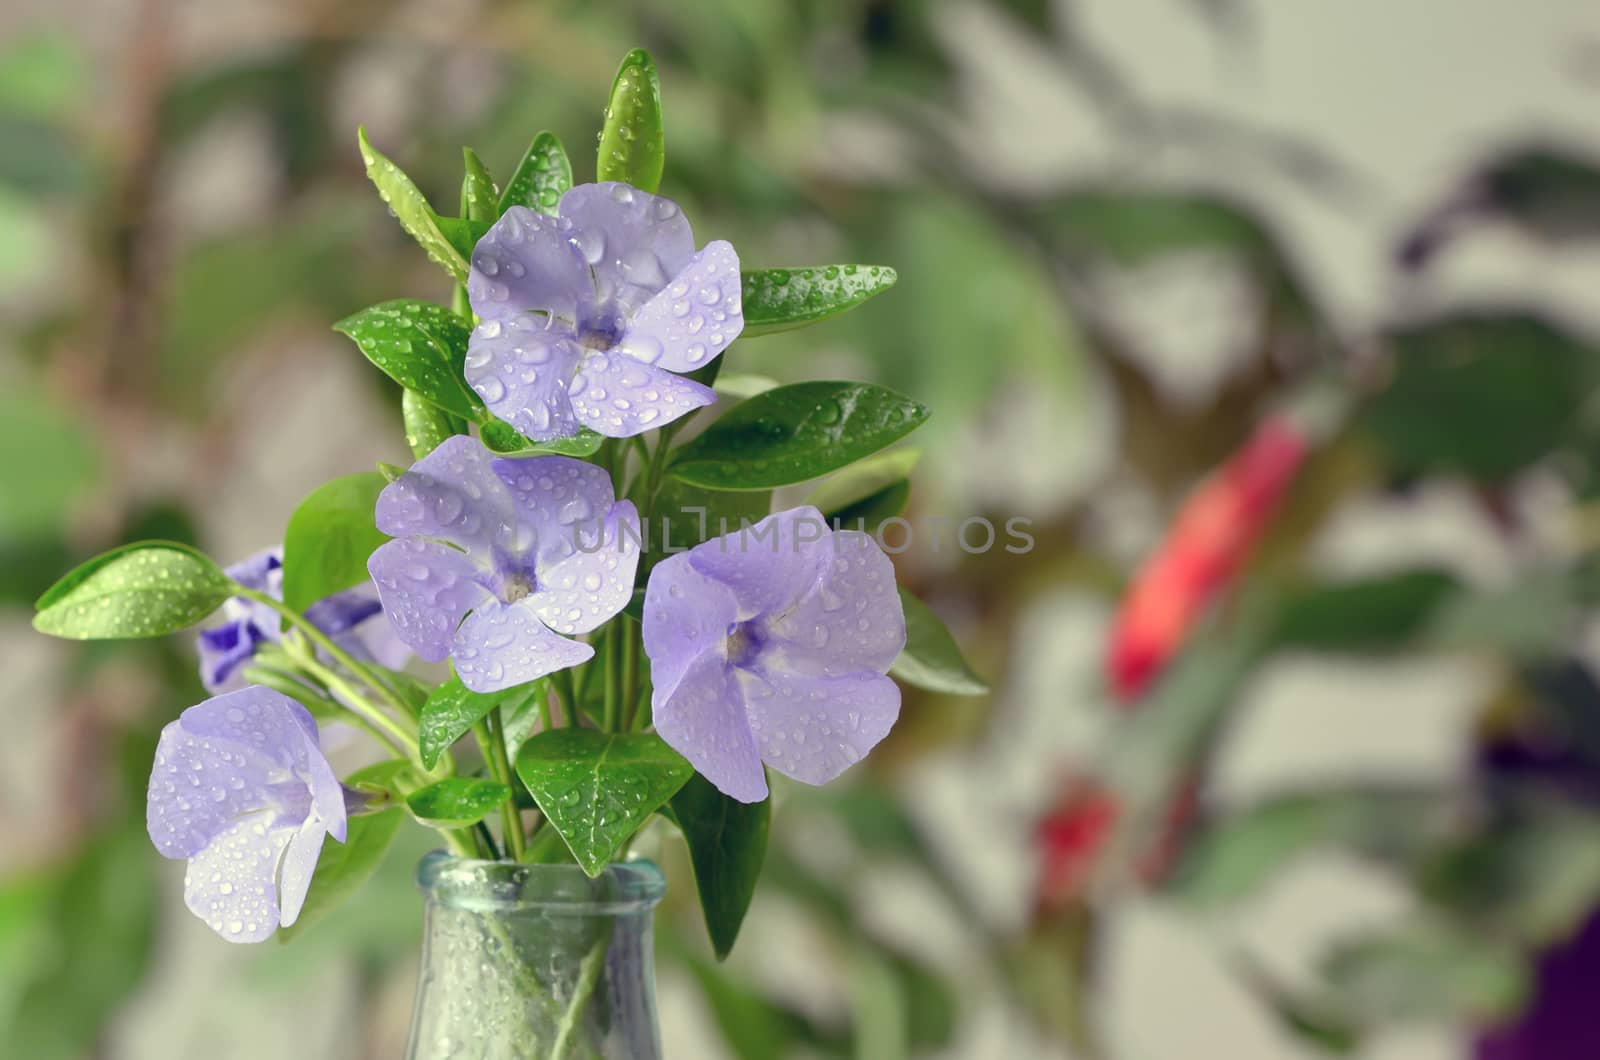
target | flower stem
[
  {"x": 630, "y": 672},
  {"x": 613, "y": 677},
  {"x": 510, "y": 820},
  {"x": 582, "y": 991}
]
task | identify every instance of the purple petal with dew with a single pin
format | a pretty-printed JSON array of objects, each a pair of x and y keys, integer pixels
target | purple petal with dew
[
  {"x": 298, "y": 866},
  {"x": 259, "y": 720},
  {"x": 426, "y": 587},
  {"x": 327, "y": 798},
  {"x": 521, "y": 368},
  {"x": 771, "y": 565},
  {"x": 224, "y": 651},
  {"x": 694, "y": 318},
  {"x": 198, "y": 785},
  {"x": 704, "y": 720},
  {"x": 526, "y": 263},
  {"x": 256, "y": 571},
  {"x": 576, "y": 594},
  {"x": 452, "y": 494},
  {"x": 556, "y": 498},
  {"x": 500, "y": 645},
  {"x": 686, "y": 614},
  {"x": 634, "y": 241},
  {"x": 814, "y": 728},
  {"x": 619, "y": 397},
  {"x": 851, "y": 622},
  {"x": 232, "y": 883}
]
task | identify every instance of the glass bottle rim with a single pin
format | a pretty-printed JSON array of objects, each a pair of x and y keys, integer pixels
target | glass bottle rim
[{"x": 625, "y": 887}]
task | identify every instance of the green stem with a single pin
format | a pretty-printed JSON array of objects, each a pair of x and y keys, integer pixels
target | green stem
[
  {"x": 545, "y": 720},
  {"x": 613, "y": 678},
  {"x": 582, "y": 991},
  {"x": 510, "y": 820},
  {"x": 353, "y": 701},
  {"x": 630, "y": 671}
]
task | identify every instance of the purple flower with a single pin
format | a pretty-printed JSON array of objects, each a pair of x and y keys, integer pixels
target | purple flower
[
  {"x": 354, "y": 619},
  {"x": 770, "y": 645},
  {"x": 532, "y": 547},
  {"x": 587, "y": 315},
  {"x": 240, "y": 788}
]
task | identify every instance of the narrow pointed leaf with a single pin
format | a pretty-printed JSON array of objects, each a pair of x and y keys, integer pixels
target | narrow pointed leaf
[
  {"x": 632, "y": 147},
  {"x": 795, "y": 433},
  {"x": 146, "y": 589},
  {"x": 931, "y": 658},
  {"x": 727, "y": 844},
  {"x": 783, "y": 299},
  {"x": 597, "y": 788},
  {"x": 542, "y": 177},
  {"x": 329, "y": 538},
  {"x": 480, "y": 200},
  {"x": 502, "y": 439},
  {"x": 453, "y": 709},
  {"x": 411, "y": 208},
  {"x": 461, "y": 233},
  {"x": 390, "y": 472},
  {"x": 458, "y": 802},
  {"x": 421, "y": 346},
  {"x": 426, "y": 423}
]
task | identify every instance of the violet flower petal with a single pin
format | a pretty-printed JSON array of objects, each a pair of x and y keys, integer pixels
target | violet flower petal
[
  {"x": 425, "y": 587},
  {"x": 770, "y": 565},
  {"x": 851, "y": 622},
  {"x": 617, "y": 396},
  {"x": 231, "y": 884},
  {"x": 686, "y": 614},
  {"x": 500, "y": 645},
  {"x": 814, "y": 728},
  {"x": 555, "y": 497},
  {"x": 578, "y": 593},
  {"x": 451, "y": 494},
  {"x": 521, "y": 367},
  {"x": 527, "y": 262},
  {"x": 298, "y": 865},
  {"x": 635, "y": 242},
  {"x": 694, "y": 318},
  {"x": 704, "y": 720}
]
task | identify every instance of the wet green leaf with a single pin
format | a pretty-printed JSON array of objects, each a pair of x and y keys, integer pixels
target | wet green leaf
[
  {"x": 727, "y": 844},
  {"x": 542, "y": 177},
  {"x": 146, "y": 589},
  {"x": 426, "y": 424},
  {"x": 780, "y": 299},
  {"x": 421, "y": 346},
  {"x": 453, "y": 709},
  {"x": 480, "y": 199},
  {"x": 329, "y": 538},
  {"x": 411, "y": 208},
  {"x": 502, "y": 439},
  {"x": 457, "y": 802},
  {"x": 632, "y": 146}
]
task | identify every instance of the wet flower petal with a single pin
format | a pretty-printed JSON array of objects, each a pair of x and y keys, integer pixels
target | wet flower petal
[
  {"x": 500, "y": 645},
  {"x": 425, "y": 588},
  {"x": 851, "y": 621},
  {"x": 619, "y": 397},
  {"x": 527, "y": 263},
  {"x": 694, "y": 318},
  {"x": 451, "y": 494},
  {"x": 634, "y": 241},
  {"x": 595, "y": 581},
  {"x": 770, "y": 565},
  {"x": 705, "y": 720},
  {"x": 814, "y": 728},
  {"x": 231, "y": 884},
  {"x": 686, "y": 615},
  {"x": 556, "y": 499},
  {"x": 521, "y": 368}
]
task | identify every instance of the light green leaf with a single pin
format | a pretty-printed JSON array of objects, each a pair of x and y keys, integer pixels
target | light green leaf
[
  {"x": 419, "y": 345},
  {"x": 1426, "y": 971},
  {"x": 480, "y": 200},
  {"x": 598, "y": 788},
  {"x": 502, "y": 439},
  {"x": 411, "y": 208},
  {"x": 632, "y": 146},
  {"x": 542, "y": 177},
  {"x": 453, "y": 709},
  {"x": 457, "y": 802},
  {"x": 426, "y": 424},
  {"x": 462, "y": 233},
  {"x": 329, "y": 539},
  {"x": 931, "y": 658},
  {"x": 782, "y": 299},
  {"x": 795, "y": 433},
  {"x": 863, "y": 479},
  {"x": 870, "y": 513},
  {"x": 390, "y": 472},
  {"x": 343, "y": 868},
  {"x": 727, "y": 844},
  {"x": 146, "y": 589}
]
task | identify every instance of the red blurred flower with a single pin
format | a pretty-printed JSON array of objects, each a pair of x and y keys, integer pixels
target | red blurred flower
[{"x": 1203, "y": 551}]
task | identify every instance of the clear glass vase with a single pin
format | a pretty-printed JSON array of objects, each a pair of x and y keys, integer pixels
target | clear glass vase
[{"x": 536, "y": 962}]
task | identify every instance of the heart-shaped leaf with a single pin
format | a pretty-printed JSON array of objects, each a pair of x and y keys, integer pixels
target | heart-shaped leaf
[
  {"x": 931, "y": 658},
  {"x": 419, "y": 345},
  {"x": 782, "y": 299},
  {"x": 795, "y": 433},
  {"x": 727, "y": 844},
  {"x": 329, "y": 539},
  {"x": 502, "y": 439},
  {"x": 598, "y": 788},
  {"x": 457, "y": 802},
  {"x": 146, "y": 589},
  {"x": 632, "y": 147},
  {"x": 453, "y": 709},
  {"x": 542, "y": 177},
  {"x": 411, "y": 208}
]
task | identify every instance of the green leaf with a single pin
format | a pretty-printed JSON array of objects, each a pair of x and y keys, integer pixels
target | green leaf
[
  {"x": 1430, "y": 972},
  {"x": 727, "y": 843},
  {"x": 598, "y": 788},
  {"x": 502, "y": 439},
  {"x": 542, "y": 177},
  {"x": 931, "y": 658},
  {"x": 453, "y": 709},
  {"x": 42, "y": 492},
  {"x": 870, "y": 513},
  {"x": 390, "y": 472},
  {"x": 426, "y": 423},
  {"x": 480, "y": 200},
  {"x": 1480, "y": 394},
  {"x": 457, "y": 802},
  {"x": 684, "y": 516},
  {"x": 343, "y": 868},
  {"x": 795, "y": 433},
  {"x": 330, "y": 538},
  {"x": 632, "y": 147},
  {"x": 863, "y": 479},
  {"x": 146, "y": 589},
  {"x": 1375, "y": 614},
  {"x": 461, "y": 233},
  {"x": 411, "y": 208},
  {"x": 782, "y": 299},
  {"x": 419, "y": 345}
]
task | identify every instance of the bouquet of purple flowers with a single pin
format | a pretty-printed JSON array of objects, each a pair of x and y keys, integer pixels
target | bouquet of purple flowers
[{"x": 629, "y": 630}]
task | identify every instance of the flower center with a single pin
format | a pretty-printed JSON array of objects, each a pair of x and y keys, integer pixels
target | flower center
[
  {"x": 516, "y": 586},
  {"x": 744, "y": 642}
]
